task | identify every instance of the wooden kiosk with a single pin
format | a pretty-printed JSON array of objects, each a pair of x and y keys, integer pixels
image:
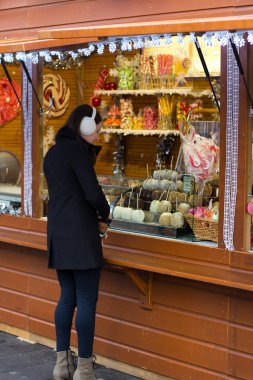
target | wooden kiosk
[{"x": 168, "y": 308}]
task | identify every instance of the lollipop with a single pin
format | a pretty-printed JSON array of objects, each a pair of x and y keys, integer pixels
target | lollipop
[{"x": 54, "y": 86}]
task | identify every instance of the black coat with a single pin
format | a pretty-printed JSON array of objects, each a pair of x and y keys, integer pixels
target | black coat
[{"x": 75, "y": 198}]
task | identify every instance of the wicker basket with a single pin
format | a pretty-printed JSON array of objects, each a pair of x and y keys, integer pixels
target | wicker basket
[{"x": 203, "y": 229}]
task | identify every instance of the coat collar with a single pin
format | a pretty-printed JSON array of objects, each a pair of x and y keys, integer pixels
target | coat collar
[{"x": 66, "y": 132}]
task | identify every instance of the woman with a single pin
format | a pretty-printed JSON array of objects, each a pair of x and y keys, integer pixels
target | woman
[{"x": 73, "y": 236}]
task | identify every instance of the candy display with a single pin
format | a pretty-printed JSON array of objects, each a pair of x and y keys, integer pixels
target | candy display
[
  {"x": 54, "y": 86},
  {"x": 154, "y": 206},
  {"x": 204, "y": 221},
  {"x": 138, "y": 216},
  {"x": 113, "y": 116},
  {"x": 150, "y": 117},
  {"x": 117, "y": 212},
  {"x": 164, "y": 206},
  {"x": 100, "y": 84},
  {"x": 149, "y": 216},
  {"x": 166, "y": 107},
  {"x": 184, "y": 208},
  {"x": 165, "y": 62},
  {"x": 126, "y": 213},
  {"x": 201, "y": 155},
  {"x": 177, "y": 220},
  {"x": 9, "y": 104},
  {"x": 166, "y": 197},
  {"x": 124, "y": 72},
  {"x": 165, "y": 219}
]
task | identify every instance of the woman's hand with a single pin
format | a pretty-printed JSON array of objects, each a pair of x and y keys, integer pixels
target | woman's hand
[{"x": 102, "y": 227}]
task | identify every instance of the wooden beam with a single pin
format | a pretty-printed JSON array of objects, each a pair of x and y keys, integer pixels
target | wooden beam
[
  {"x": 243, "y": 22},
  {"x": 38, "y": 44}
]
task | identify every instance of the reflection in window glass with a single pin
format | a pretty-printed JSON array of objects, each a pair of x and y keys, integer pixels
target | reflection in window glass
[{"x": 10, "y": 142}]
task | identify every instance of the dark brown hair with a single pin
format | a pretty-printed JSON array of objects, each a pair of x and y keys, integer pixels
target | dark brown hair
[{"x": 78, "y": 114}]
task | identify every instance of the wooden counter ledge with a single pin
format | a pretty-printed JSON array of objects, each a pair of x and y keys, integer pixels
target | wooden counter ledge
[{"x": 164, "y": 256}]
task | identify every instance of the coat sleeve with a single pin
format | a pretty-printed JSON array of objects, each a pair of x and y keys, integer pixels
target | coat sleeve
[{"x": 85, "y": 173}]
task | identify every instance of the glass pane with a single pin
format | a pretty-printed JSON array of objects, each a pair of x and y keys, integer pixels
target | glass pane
[
  {"x": 142, "y": 167},
  {"x": 10, "y": 141}
]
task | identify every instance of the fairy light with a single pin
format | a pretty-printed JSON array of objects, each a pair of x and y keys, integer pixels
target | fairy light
[
  {"x": 167, "y": 39},
  {"x": 137, "y": 43},
  {"x": 46, "y": 55},
  {"x": 100, "y": 48},
  {"x": 180, "y": 38},
  {"x": 238, "y": 39},
  {"x": 34, "y": 57},
  {"x": 73, "y": 54},
  {"x": 91, "y": 48},
  {"x": 57, "y": 53},
  {"x": 155, "y": 40},
  {"x": 126, "y": 44},
  {"x": 112, "y": 46},
  {"x": 192, "y": 37},
  {"x": 224, "y": 38},
  {"x": 86, "y": 52},
  {"x": 20, "y": 55},
  {"x": 216, "y": 38},
  {"x": 207, "y": 38},
  {"x": 8, "y": 57},
  {"x": 250, "y": 37},
  {"x": 129, "y": 45}
]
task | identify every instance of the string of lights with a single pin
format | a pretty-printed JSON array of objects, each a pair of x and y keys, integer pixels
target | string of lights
[{"x": 130, "y": 43}]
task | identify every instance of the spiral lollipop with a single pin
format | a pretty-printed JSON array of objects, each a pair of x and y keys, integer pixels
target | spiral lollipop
[{"x": 54, "y": 86}]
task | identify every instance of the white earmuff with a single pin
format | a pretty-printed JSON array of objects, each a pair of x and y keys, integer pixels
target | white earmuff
[{"x": 88, "y": 125}]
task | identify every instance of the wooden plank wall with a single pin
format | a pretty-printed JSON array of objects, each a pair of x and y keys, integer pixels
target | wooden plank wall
[
  {"x": 194, "y": 331},
  {"x": 25, "y": 17}
]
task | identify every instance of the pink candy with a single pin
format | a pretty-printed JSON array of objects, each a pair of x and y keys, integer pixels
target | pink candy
[
  {"x": 150, "y": 117},
  {"x": 201, "y": 156}
]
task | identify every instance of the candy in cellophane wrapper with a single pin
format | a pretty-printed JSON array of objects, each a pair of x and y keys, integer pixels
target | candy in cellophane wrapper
[{"x": 201, "y": 155}]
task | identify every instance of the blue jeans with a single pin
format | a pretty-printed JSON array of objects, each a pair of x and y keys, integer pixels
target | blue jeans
[{"x": 79, "y": 288}]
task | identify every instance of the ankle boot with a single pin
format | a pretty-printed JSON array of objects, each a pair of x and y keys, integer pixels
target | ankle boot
[
  {"x": 64, "y": 368},
  {"x": 84, "y": 369}
]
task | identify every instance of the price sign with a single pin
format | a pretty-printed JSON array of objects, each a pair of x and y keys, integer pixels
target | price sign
[{"x": 187, "y": 183}]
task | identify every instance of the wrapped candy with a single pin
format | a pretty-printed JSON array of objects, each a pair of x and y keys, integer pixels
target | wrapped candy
[
  {"x": 103, "y": 74},
  {"x": 201, "y": 155},
  {"x": 126, "y": 107},
  {"x": 125, "y": 76},
  {"x": 113, "y": 116},
  {"x": 150, "y": 117},
  {"x": 165, "y": 62}
]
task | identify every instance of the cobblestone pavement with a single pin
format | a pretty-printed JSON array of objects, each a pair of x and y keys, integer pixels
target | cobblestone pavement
[{"x": 20, "y": 360}]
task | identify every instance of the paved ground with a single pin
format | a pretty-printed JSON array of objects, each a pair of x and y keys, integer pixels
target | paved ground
[{"x": 21, "y": 360}]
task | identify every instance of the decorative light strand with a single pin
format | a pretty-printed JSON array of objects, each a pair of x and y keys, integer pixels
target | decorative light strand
[
  {"x": 27, "y": 117},
  {"x": 134, "y": 42},
  {"x": 231, "y": 168}
]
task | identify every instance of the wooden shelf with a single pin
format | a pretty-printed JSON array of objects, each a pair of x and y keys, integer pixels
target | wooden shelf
[
  {"x": 141, "y": 132},
  {"x": 166, "y": 91}
]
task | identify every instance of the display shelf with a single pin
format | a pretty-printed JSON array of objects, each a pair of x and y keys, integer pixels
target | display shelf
[
  {"x": 141, "y": 132},
  {"x": 159, "y": 91},
  {"x": 149, "y": 228}
]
